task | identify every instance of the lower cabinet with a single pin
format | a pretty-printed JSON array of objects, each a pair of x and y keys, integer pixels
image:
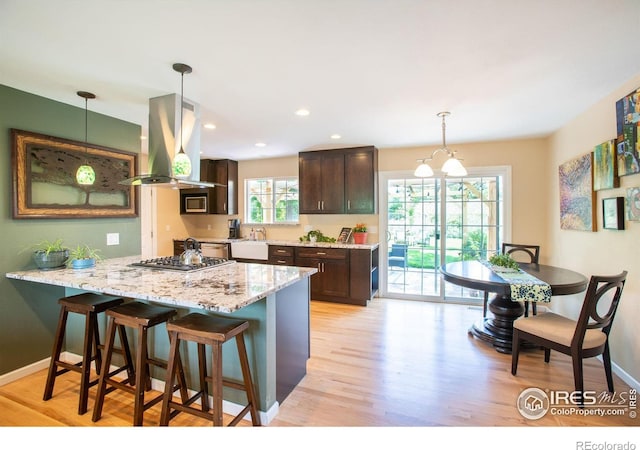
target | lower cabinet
[{"x": 332, "y": 280}]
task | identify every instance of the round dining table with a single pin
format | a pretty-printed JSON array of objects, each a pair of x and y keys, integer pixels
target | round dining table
[{"x": 497, "y": 329}]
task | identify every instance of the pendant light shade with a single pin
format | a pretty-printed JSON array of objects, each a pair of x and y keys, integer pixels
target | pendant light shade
[
  {"x": 181, "y": 165},
  {"x": 85, "y": 175},
  {"x": 452, "y": 166}
]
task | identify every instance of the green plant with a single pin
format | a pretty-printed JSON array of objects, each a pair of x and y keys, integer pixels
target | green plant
[
  {"x": 47, "y": 247},
  {"x": 318, "y": 236},
  {"x": 83, "y": 251},
  {"x": 503, "y": 260}
]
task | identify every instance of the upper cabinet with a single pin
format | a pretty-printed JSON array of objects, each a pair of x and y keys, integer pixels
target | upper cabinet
[
  {"x": 341, "y": 181},
  {"x": 223, "y": 200}
]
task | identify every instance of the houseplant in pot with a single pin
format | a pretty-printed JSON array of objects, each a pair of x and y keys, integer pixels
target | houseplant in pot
[
  {"x": 83, "y": 257},
  {"x": 50, "y": 254},
  {"x": 360, "y": 234}
]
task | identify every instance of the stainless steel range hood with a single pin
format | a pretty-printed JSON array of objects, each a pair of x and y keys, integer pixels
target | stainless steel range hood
[{"x": 164, "y": 143}]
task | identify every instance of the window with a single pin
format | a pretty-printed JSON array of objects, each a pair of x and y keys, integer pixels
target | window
[{"x": 271, "y": 200}]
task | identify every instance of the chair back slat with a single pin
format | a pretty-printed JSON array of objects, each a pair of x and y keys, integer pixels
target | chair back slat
[
  {"x": 532, "y": 251},
  {"x": 598, "y": 290}
]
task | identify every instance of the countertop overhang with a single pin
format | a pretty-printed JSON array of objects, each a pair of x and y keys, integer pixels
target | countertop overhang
[{"x": 224, "y": 288}]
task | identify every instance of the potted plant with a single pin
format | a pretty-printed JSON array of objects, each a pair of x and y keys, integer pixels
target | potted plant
[
  {"x": 503, "y": 263},
  {"x": 360, "y": 234},
  {"x": 316, "y": 236},
  {"x": 83, "y": 257},
  {"x": 50, "y": 255}
]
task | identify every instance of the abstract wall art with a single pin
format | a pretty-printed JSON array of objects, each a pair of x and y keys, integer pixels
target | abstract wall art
[
  {"x": 628, "y": 122},
  {"x": 605, "y": 172},
  {"x": 633, "y": 204},
  {"x": 577, "y": 198}
]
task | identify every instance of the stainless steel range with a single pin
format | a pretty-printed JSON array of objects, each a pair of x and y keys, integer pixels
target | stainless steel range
[{"x": 176, "y": 263}]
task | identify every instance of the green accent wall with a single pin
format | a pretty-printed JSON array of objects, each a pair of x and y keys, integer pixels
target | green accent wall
[{"x": 29, "y": 311}]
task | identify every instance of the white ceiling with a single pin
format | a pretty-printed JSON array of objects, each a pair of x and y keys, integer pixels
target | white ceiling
[{"x": 374, "y": 71}]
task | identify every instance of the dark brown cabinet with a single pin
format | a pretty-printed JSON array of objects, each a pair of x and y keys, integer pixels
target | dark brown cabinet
[
  {"x": 281, "y": 255},
  {"x": 222, "y": 199},
  {"x": 342, "y": 181},
  {"x": 331, "y": 282}
]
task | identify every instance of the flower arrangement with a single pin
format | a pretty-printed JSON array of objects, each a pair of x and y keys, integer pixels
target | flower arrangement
[{"x": 360, "y": 228}]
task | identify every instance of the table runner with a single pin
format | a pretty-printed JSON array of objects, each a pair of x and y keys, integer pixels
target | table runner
[{"x": 524, "y": 286}]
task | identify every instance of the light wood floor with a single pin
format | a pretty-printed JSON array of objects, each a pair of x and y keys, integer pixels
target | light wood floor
[{"x": 392, "y": 363}]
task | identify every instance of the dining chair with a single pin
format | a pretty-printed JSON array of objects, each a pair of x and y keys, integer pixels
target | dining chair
[
  {"x": 586, "y": 337},
  {"x": 521, "y": 253}
]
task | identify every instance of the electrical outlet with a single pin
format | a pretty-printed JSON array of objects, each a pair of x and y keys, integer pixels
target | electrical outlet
[{"x": 113, "y": 238}]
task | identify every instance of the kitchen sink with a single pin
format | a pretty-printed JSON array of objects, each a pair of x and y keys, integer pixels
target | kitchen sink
[{"x": 250, "y": 250}]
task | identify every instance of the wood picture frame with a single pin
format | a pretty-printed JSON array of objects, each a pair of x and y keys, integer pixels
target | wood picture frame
[
  {"x": 344, "y": 236},
  {"x": 44, "y": 179},
  {"x": 613, "y": 213}
]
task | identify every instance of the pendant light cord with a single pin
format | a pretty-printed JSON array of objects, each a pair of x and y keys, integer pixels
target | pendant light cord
[{"x": 181, "y": 110}]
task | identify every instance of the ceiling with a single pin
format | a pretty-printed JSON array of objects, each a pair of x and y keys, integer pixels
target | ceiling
[{"x": 376, "y": 72}]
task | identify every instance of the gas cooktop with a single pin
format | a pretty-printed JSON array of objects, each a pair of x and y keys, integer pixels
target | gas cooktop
[{"x": 173, "y": 263}]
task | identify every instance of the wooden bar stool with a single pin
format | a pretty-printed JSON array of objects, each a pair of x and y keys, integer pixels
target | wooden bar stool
[
  {"x": 212, "y": 331},
  {"x": 89, "y": 305},
  {"x": 140, "y": 316}
]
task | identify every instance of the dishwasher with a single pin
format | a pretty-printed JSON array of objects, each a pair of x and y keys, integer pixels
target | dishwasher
[{"x": 214, "y": 250}]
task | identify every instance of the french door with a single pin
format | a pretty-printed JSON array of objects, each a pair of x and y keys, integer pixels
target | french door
[{"x": 433, "y": 221}]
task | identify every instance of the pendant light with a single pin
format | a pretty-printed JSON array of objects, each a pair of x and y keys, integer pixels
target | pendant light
[
  {"x": 181, "y": 165},
  {"x": 452, "y": 166},
  {"x": 85, "y": 174}
]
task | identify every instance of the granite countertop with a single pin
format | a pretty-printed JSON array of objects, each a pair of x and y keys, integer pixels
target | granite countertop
[
  {"x": 291, "y": 243},
  {"x": 224, "y": 288}
]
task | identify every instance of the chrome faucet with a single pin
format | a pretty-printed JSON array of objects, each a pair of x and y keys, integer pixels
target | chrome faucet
[{"x": 262, "y": 232}]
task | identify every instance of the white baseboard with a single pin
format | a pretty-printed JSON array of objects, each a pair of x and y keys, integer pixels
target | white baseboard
[{"x": 227, "y": 407}]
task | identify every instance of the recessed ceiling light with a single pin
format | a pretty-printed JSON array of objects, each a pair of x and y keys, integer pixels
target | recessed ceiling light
[
  {"x": 335, "y": 136},
  {"x": 260, "y": 144},
  {"x": 302, "y": 112},
  {"x": 210, "y": 126}
]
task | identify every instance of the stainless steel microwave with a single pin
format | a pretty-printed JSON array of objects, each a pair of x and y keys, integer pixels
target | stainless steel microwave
[{"x": 194, "y": 203}]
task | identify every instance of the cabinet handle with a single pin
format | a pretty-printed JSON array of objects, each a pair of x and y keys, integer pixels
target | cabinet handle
[
  {"x": 224, "y": 206},
  {"x": 322, "y": 267},
  {"x": 323, "y": 205},
  {"x": 349, "y": 204},
  {"x": 321, "y": 253},
  {"x": 282, "y": 261},
  {"x": 281, "y": 251},
  {"x": 318, "y": 205},
  {"x": 319, "y": 267}
]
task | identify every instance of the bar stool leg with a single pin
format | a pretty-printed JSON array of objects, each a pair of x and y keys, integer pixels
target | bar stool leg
[
  {"x": 202, "y": 366},
  {"x": 87, "y": 350},
  {"x": 246, "y": 376},
  {"x": 142, "y": 370},
  {"x": 216, "y": 382},
  {"x": 57, "y": 349},
  {"x": 104, "y": 371}
]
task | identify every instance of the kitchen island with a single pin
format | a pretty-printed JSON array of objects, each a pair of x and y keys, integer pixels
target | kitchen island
[{"x": 274, "y": 299}]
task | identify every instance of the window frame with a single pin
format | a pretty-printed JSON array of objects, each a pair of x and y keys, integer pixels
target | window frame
[{"x": 273, "y": 200}]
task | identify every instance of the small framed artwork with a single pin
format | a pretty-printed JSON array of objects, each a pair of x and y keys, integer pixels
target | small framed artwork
[
  {"x": 344, "y": 236},
  {"x": 613, "y": 213}
]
